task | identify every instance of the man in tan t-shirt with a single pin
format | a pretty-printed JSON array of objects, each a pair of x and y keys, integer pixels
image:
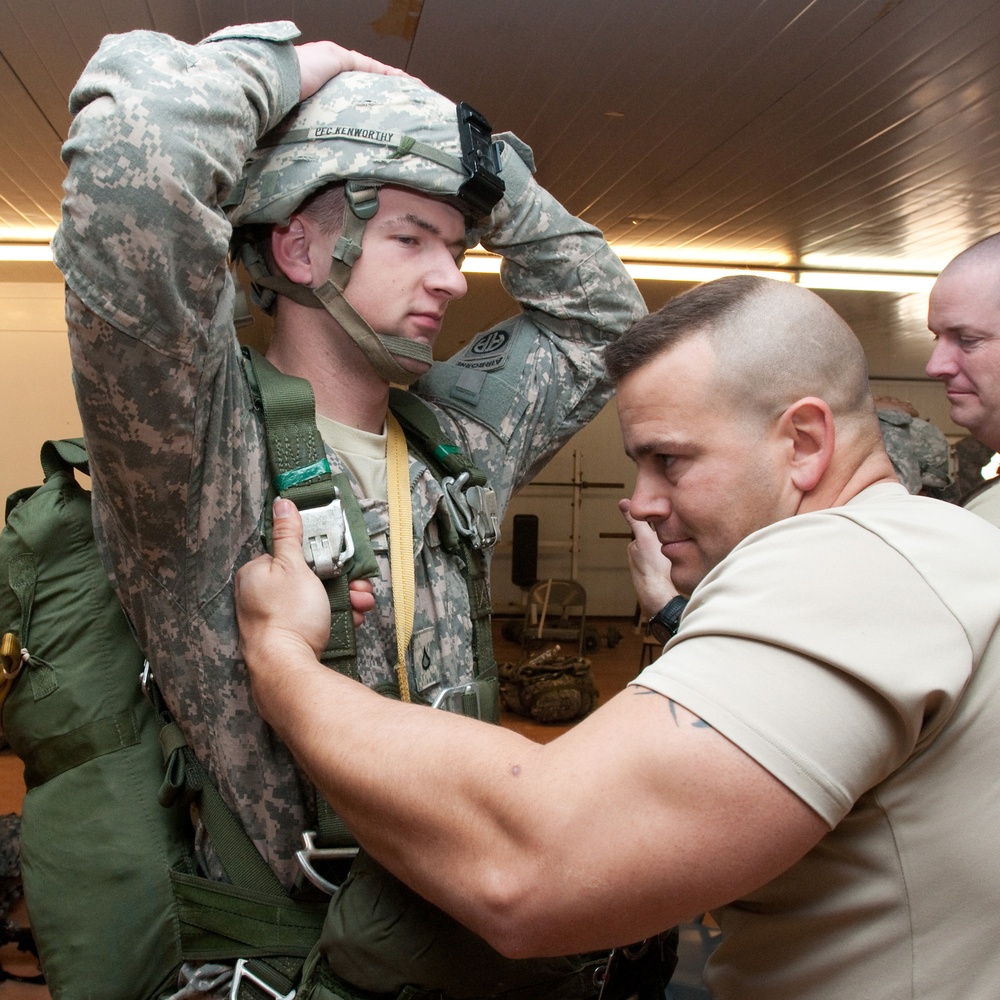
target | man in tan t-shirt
[
  {"x": 812, "y": 757},
  {"x": 964, "y": 316}
]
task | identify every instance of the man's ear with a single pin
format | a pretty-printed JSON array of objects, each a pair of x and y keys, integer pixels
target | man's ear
[
  {"x": 808, "y": 426},
  {"x": 290, "y": 246}
]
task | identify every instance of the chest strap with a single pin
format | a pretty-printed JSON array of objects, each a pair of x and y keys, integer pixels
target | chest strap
[
  {"x": 457, "y": 474},
  {"x": 335, "y": 541},
  {"x": 339, "y": 549}
]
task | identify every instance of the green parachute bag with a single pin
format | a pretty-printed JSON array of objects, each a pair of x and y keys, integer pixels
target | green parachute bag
[{"x": 97, "y": 848}]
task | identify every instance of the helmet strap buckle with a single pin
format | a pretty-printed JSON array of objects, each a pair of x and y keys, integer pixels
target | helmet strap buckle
[
  {"x": 347, "y": 250},
  {"x": 362, "y": 197}
]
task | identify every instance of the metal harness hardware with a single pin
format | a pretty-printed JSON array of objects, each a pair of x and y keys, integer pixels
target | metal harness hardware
[
  {"x": 451, "y": 699},
  {"x": 326, "y": 539},
  {"x": 13, "y": 657},
  {"x": 310, "y": 853},
  {"x": 474, "y": 510},
  {"x": 241, "y": 972}
]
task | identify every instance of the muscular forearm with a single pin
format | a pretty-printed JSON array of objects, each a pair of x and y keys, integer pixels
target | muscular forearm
[{"x": 578, "y": 844}]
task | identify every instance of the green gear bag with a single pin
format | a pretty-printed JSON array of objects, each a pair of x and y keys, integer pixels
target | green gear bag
[
  {"x": 75, "y": 714},
  {"x": 115, "y": 902},
  {"x": 408, "y": 944}
]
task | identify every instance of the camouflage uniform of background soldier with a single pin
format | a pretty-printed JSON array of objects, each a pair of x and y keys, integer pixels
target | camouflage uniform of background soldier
[
  {"x": 918, "y": 450},
  {"x": 161, "y": 135},
  {"x": 971, "y": 457}
]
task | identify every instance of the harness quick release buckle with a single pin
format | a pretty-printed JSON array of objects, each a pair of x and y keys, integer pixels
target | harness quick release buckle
[
  {"x": 452, "y": 699},
  {"x": 310, "y": 853},
  {"x": 241, "y": 972},
  {"x": 146, "y": 679},
  {"x": 326, "y": 539},
  {"x": 473, "y": 509}
]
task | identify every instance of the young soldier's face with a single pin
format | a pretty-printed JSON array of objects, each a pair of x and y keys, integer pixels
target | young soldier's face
[
  {"x": 706, "y": 476},
  {"x": 409, "y": 270}
]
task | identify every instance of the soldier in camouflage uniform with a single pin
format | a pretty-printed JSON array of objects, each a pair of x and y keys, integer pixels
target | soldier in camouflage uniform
[
  {"x": 934, "y": 458},
  {"x": 895, "y": 427},
  {"x": 918, "y": 450},
  {"x": 159, "y": 142},
  {"x": 971, "y": 457}
]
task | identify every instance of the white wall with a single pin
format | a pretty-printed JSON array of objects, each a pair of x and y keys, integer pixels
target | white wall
[
  {"x": 37, "y": 394},
  {"x": 602, "y": 566}
]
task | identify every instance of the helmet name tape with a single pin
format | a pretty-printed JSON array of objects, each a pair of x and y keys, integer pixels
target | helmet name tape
[
  {"x": 325, "y": 131},
  {"x": 279, "y": 138}
]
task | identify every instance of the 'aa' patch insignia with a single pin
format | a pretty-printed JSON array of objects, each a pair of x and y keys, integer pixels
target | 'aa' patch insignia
[{"x": 488, "y": 352}]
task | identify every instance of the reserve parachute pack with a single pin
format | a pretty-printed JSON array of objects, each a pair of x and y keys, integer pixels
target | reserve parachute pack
[{"x": 115, "y": 897}]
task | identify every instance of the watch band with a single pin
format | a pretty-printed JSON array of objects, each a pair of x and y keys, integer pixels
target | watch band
[{"x": 664, "y": 624}]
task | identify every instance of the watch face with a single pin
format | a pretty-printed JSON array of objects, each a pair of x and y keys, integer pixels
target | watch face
[
  {"x": 664, "y": 624},
  {"x": 660, "y": 632}
]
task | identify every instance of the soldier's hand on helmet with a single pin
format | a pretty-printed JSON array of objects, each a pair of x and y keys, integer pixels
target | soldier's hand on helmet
[
  {"x": 322, "y": 61},
  {"x": 650, "y": 568},
  {"x": 281, "y": 605}
]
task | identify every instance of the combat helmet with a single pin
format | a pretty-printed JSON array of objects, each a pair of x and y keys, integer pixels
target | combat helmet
[{"x": 366, "y": 130}]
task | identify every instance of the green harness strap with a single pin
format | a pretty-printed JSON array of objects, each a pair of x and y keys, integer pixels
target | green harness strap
[
  {"x": 445, "y": 459},
  {"x": 301, "y": 472},
  {"x": 424, "y": 430},
  {"x": 251, "y": 918}
]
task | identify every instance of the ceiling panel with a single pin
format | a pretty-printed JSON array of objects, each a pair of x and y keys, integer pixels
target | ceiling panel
[
  {"x": 705, "y": 128},
  {"x": 30, "y": 171}
]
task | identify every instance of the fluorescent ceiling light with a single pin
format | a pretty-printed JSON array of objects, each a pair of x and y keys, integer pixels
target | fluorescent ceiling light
[
  {"x": 481, "y": 263},
  {"x": 648, "y": 264},
  {"x": 694, "y": 272},
  {"x": 478, "y": 262},
  {"x": 25, "y": 252},
  {"x": 855, "y": 262},
  {"x": 27, "y": 234},
  {"x": 701, "y": 256},
  {"x": 645, "y": 263},
  {"x": 870, "y": 281}
]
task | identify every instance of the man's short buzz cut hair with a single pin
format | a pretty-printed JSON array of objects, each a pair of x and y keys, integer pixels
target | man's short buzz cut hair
[
  {"x": 690, "y": 312},
  {"x": 986, "y": 249},
  {"x": 775, "y": 342}
]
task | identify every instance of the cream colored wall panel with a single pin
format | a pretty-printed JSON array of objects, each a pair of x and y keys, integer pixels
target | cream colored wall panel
[
  {"x": 38, "y": 396},
  {"x": 602, "y": 563},
  {"x": 28, "y": 306},
  {"x": 39, "y": 402}
]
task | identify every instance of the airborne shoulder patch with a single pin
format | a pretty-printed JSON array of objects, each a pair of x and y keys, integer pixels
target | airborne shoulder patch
[{"x": 488, "y": 351}]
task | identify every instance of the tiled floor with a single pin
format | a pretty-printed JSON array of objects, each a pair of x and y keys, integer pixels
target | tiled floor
[{"x": 612, "y": 668}]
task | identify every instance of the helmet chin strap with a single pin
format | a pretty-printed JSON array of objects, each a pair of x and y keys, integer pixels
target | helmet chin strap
[
  {"x": 377, "y": 348},
  {"x": 361, "y": 205}
]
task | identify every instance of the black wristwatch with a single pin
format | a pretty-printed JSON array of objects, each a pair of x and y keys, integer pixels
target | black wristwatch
[{"x": 663, "y": 625}]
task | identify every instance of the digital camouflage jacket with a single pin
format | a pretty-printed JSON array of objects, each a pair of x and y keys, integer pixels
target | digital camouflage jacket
[{"x": 160, "y": 135}]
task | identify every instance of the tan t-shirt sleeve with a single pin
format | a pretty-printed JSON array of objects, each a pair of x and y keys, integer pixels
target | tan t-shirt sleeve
[{"x": 820, "y": 650}]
